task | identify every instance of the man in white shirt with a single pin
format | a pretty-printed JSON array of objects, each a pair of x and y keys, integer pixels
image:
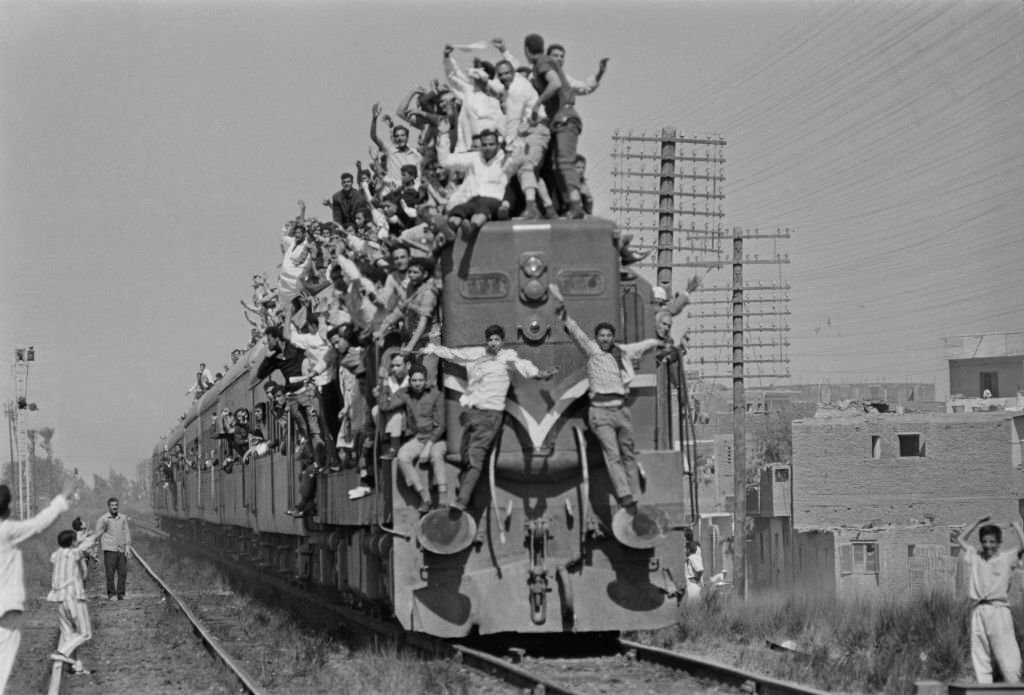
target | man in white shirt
[
  {"x": 487, "y": 173},
  {"x": 990, "y": 573},
  {"x": 523, "y": 135},
  {"x": 488, "y": 379},
  {"x": 12, "y": 579},
  {"x": 557, "y": 53},
  {"x": 479, "y": 111}
]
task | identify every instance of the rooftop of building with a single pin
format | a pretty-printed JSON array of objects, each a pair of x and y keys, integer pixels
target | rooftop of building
[
  {"x": 985, "y": 345},
  {"x": 837, "y": 416}
]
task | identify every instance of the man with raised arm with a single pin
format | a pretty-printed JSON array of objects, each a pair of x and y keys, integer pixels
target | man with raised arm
[
  {"x": 487, "y": 173},
  {"x": 397, "y": 153},
  {"x": 12, "y": 579},
  {"x": 522, "y": 134},
  {"x": 609, "y": 372},
  {"x": 488, "y": 377},
  {"x": 989, "y": 576},
  {"x": 556, "y": 52},
  {"x": 559, "y": 102}
]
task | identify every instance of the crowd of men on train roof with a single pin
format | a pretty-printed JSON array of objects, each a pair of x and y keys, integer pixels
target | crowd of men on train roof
[{"x": 495, "y": 141}]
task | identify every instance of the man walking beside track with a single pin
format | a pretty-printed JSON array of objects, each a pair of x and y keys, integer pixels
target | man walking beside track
[
  {"x": 12, "y": 580},
  {"x": 116, "y": 543}
]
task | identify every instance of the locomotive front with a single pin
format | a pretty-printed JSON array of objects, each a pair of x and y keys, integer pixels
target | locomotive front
[{"x": 544, "y": 557}]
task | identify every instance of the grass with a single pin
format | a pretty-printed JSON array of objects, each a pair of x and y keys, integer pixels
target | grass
[
  {"x": 856, "y": 646},
  {"x": 287, "y": 657}
]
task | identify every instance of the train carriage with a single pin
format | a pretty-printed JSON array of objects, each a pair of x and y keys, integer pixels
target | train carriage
[{"x": 542, "y": 556}]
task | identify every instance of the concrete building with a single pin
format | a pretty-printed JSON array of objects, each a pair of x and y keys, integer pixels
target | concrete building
[
  {"x": 876, "y": 499},
  {"x": 993, "y": 362}
]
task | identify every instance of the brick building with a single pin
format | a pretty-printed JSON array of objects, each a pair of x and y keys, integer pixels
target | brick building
[
  {"x": 875, "y": 499},
  {"x": 993, "y": 362}
]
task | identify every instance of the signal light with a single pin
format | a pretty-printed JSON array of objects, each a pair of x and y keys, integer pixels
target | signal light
[
  {"x": 535, "y": 291},
  {"x": 533, "y": 267}
]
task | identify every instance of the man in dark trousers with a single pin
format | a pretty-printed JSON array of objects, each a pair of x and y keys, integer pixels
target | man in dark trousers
[{"x": 116, "y": 543}]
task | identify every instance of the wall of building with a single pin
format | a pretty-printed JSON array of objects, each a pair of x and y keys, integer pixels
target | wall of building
[
  {"x": 965, "y": 376},
  {"x": 815, "y": 569},
  {"x": 769, "y": 555},
  {"x": 965, "y": 472},
  {"x": 909, "y": 562}
]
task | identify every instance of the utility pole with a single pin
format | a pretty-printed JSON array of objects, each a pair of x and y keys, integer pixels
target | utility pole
[
  {"x": 739, "y": 422},
  {"x": 21, "y": 406},
  {"x": 667, "y": 193}
]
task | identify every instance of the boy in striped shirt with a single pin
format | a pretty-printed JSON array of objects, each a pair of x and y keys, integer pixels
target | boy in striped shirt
[{"x": 67, "y": 590}]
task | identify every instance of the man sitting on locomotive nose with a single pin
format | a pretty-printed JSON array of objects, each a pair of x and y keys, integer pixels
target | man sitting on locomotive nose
[
  {"x": 423, "y": 408},
  {"x": 488, "y": 378},
  {"x": 487, "y": 174},
  {"x": 609, "y": 371}
]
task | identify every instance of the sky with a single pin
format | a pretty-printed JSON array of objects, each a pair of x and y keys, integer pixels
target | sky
[{"x": 151, "y": 152}]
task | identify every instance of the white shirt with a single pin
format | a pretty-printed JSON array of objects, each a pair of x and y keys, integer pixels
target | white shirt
[
  {"x": 316, "y": 349},
  {"x": 694, "y": 565},
  {"x": 396, "y": 159},
  {"x": 480, "y": 111},
  {"x": 484, "y": 179},
  {"x": 519, "y": 100},
  {"x": 488, "y": 375},
  {"x": 66, "y": 581},
  {"x": 12, "y": 535},
  {"x": 989, "y": 580},
  {"x": 294, "y": 265}
]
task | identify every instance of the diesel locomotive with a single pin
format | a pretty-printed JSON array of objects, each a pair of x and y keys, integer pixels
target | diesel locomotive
[{"x": 540, "y": 550}]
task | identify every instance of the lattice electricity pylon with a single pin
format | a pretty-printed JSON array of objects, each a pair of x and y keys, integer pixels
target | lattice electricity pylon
[
  {"x": 764, "y": 310},
  {"x": 19, "y": 370},
  {"x": 668, "y": 192}
]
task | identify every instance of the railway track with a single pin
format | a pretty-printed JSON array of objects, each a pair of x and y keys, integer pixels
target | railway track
[
  {"x": 135, "y": 677},
  {"x": 633, "y": 667}
]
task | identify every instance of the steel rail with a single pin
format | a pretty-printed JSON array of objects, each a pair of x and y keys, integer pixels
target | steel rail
[
  {"x": 248, "y": 683},
  {"x": 749, "y": 681},
  {"x": 473, "y": 658},
  {"x": 58, "y": 684},
  {"x": 496, "y": 666}
]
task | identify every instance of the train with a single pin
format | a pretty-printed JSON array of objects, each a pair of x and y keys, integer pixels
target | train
[{"x": 542, "y": 550}]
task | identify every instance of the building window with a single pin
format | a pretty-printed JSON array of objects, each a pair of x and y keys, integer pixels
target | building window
[
  {"x": 911, "y": 445},
  {"x": 782, "y": 475},
  {"x": 876, "y": 446},
  {"x": 989, "y": 381},
  {"x": 858, "y": 558}
]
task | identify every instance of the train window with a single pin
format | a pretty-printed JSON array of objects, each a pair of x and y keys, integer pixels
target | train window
[
  {"x": 581, "y": 283},
  {"x": 485, "y": 286}
]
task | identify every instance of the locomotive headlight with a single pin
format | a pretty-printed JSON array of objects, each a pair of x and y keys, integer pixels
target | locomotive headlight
[
  {"x": 535, "y": 291},
  {"x": 533, "y": 267},
  {"x": 534, "y": 329}
]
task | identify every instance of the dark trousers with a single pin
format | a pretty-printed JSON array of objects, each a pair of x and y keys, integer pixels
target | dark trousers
[
  {"x": 565, "y": 136},
  {"x": 115, "y": 562},
  {"x": 307, "y": 489},
  {"x": 479, "y": 436}
]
